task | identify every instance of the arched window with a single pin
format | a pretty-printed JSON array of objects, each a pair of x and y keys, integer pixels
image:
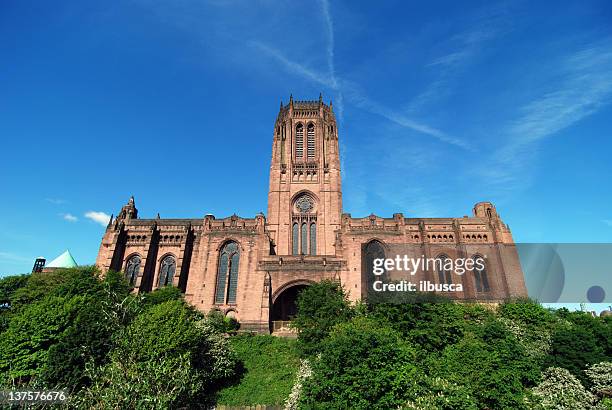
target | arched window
[
  {"x": 444, "y": 274},
  {"x": 304, "y": 238},
  {"x": 310, "y": 139},
  {"x": 132, "y": 269},
  {"x": 299, "y": 141},
  {"x": 373, "y": 250},
  {"x": 296, "y": 239},
  {"x": 229, "y": 261},
  {"x": 480, "y": 274},
  {"x": 166, "y": 271},
  {"x": 313, "y": 238}
]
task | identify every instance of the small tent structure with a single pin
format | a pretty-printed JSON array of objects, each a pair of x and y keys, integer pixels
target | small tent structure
[{"x": 65, "y": 260}]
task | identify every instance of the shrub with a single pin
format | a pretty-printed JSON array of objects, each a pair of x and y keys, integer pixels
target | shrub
[
  {"x": 167, "y": 357},
  {"x": 362, "y": 364},
  {"x": 320, "y": 307},
  {"x": 560, "y": 390},
  {"x": 600, "y": 375}
]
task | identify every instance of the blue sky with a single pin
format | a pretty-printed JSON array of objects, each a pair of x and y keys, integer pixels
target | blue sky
[{"x": 440, "y": 104}]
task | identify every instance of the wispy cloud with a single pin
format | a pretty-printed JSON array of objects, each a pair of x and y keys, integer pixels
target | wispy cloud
[
  {"x": 56, "y": 201},
  {"x": 356, "y": 97},
  {"x": 12, "y": 257},
  {"x": 98, "y": 217},
  {"x": 585, "y": 86},
  {"x": 607, "y": 222},
  {"x": 69, "y": 217}
]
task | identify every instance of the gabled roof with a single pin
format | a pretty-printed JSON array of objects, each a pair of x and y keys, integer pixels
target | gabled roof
[{"x": 65, "y": 260}]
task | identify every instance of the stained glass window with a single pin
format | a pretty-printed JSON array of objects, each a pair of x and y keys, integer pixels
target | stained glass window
[
  {"x": 132, "y": 269},
  {"x": 229, "y": 260},
  {"x": 313, "y": 238},
  {"x": 166, "y": 271},
  {"x": 480, "y": 275},
  {"x": 304, "y": 239},
  {"x": 296, "y": 239},
  {"x": 444, "y": 275}
]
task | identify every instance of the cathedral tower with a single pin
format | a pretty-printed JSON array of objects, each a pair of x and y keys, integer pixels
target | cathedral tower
[{"x": 305, "y": 195}]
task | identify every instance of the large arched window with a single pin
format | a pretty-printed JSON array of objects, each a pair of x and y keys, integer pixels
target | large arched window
[
  {"x": 313, "y": 238},
  {"x": 227, "y": 274},
  {"x": 444, "y": 272},
  {"x": 310, "y": 141},
  {"x": 304, "y": 239},
  {"x": 299, "y": 141},
  {"x": 480, "y": 274},
  {"x": 167, "y": 268},
  {"x": 132, "y": 268},
  {"x": 373, "y": 250},
  {"x": 295, "y": 237}
]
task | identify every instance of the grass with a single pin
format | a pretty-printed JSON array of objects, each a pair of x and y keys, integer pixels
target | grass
[{"x": 271, "y": 364}]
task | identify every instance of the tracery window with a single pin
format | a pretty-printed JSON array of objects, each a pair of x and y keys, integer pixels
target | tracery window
[
  {"x": 310, "y": 140},
  {"x": 313, "y": 238},
  {"x": 480, "y": 274},
  {"x": 132, "y": 269},
  {"x": 167, "y": 268},
  {"x": 296, "y": 238},
  {"x": 227, "y": 274},
  {"x": 299, "y": 141},
  {"x": 304, "y": 227},
  {"x": 444, "y": 273}
]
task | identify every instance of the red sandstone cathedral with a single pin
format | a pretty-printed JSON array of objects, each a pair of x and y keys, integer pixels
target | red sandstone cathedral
[{"x": 253, "y": 268}]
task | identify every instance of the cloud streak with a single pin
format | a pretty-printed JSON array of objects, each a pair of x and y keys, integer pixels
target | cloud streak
[
  {"x": 69, "y": 217},
  {"x": 98, "y": 217}
]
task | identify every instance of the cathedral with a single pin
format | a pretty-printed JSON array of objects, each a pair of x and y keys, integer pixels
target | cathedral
[{"x": 253, "y": 268}]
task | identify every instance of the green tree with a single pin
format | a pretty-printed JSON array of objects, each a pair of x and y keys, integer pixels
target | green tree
[
  {"x": 24, "y": 346},
  {"x": 491, "y": 363},
  {"x": 319, "y": 308},
  {"x": 574, "y": 348},
  {"x": 168, "y": 357},
  {"x": 363, "y": 364},
  {"x": 431, "y": 326}
]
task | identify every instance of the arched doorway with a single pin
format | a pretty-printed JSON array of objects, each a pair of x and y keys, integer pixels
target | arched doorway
[{"x": 284, "y": 307}]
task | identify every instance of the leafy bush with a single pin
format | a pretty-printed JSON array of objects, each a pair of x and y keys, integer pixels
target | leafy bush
[
  {"x": 161, "y": 295},
  {"x": 222, "y": 323},
  {"x": 431, "y": 326},
  {"x": 574, "y": 348},
  {"x": 362, "y": 364},
  {"x": 24, "y": 346},
  {"x": 167, "y": 357},
  {"x": 492, "y": 364},
  {"x": 320, "y": 307},
  {"x": 560, "y": 390},
  {"x": 600, "y": 375}
]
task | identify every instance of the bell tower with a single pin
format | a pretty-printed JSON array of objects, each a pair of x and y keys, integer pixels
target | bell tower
[{"x": 305, "y": 194}]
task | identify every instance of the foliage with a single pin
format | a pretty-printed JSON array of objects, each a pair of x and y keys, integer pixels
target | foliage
[
  {"x": 304, "y": 373},
  {"x": 222, "y": 323},
  {"x": 432, "y": 326},
  {"x": 574, "y": 348},
  {"x": 8, "y": 286},
  {"x": 443, "y": 395},
  {"x": 161, "y": 295},
  {"x": 491, "y": 363},
  {"x": 320, "y": 307},
  {"x": 167, "y": 357},
  {"x": 270, "y": 367},
  {"x": 600, "y": 375},
  {"x": 525, "y": 311},
  {"x": 559, "y": 389},
  {"x": 362, "y": 364},
  {"x": 24, "y": 346}
]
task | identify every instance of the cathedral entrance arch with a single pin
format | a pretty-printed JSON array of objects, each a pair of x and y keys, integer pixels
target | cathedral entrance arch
[{"x": 284, "y": 305}]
